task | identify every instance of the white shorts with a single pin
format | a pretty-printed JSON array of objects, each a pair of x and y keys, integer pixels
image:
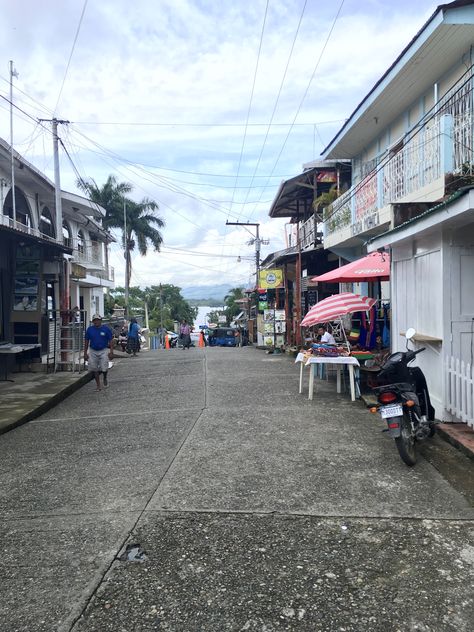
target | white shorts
[{"x": 98, "y": 360}]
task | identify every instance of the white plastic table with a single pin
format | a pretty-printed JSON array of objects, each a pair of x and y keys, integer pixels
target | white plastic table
[
  {"x": 339, "y": 361},
  {"x": 301, "y": 359}
]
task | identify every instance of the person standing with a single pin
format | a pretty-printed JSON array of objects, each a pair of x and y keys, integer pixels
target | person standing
[
  {"x": 185, "y": 334},
  {"x": 98, "y": 349},
  {"x": 133, "y": 339}
]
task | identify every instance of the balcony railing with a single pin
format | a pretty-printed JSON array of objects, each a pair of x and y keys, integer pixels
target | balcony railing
[
  {"x": 6, "y": 220},
  {"x": 413, "y": 170},
  {"x": 309, "y": 235},
  {"x": 88, "y": 259}
]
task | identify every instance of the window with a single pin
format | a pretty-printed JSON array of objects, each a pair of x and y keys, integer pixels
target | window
[
  {"x": 81, "y": 243},
  {"x": 46, "y": 225},
  {"x": 67, "y": 241},
  {"x": 23, "y": 215}
]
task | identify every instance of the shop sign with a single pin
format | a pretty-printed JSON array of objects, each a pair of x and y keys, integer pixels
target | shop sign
[
  {"x": 326, "y": 176},
  {"x": 270, "y": 279}
]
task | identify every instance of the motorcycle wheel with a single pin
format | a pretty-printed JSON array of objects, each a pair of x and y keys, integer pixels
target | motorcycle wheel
[{"x": 406, "y": 441}]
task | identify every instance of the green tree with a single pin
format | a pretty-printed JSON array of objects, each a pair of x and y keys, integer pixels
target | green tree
[
  {"x": 143, "y": 223},
  {"x": 136, "y": 299},
  {"x": 165, "y": 304},
  {"x": 232, "y": 307}
]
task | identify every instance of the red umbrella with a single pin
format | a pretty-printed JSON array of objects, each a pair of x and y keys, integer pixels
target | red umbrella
[
  {"x": 369, "y": 268},
  {"x": 335, "y": 306}
]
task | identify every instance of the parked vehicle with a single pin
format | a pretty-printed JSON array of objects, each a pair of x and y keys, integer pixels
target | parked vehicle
[
  {"x": 224, "y": 337},
  {"x": 404, "y": 401}
]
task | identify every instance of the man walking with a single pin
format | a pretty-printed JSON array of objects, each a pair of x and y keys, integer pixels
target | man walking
[{"x": 98, "y": 349}]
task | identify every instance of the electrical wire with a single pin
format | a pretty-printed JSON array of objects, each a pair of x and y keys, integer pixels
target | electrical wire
[
  {"x": 306, "y": 91},
  {"x": 249, "y": 109},
  {"x": 71, "y": 54},
  {"x": 173, "y": 124},
  {"x": 277, "y": 99}
]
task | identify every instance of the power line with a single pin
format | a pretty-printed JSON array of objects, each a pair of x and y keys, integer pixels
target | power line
[
  {"x": 159, "y": 179},
  {"x": 176, "y": 124},
  {"x": 307, "y": 89},
  {"x": 277, "y": 99},
  {"x": 251, "y": 100},
  {"x": 72, "y": 51}
]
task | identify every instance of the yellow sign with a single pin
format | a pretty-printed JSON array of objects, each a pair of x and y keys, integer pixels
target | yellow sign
[{"x": 270, "y": 279}]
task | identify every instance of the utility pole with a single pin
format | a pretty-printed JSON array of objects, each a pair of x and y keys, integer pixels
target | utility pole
[
  {"x": 125, "y": 239},
  {"x": 161, "y": 319},
  {"x": 13, "y": 73},
  {"x": 65, "y": 290},
  {"x": 147, "y": 323},
  {"x": 257, "y": 241},
  {"x": 57, "y": 181}
]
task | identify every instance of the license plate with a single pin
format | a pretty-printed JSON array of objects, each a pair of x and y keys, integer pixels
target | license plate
[{"x": 391, "y": 411}]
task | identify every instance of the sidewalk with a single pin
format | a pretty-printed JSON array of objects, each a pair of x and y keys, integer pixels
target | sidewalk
[
  {"x": 32, "y": 394},
  {"x": 27, "y": 395}
]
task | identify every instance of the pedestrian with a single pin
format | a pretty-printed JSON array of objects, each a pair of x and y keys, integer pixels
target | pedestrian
[
  {"x": 185, "y": 334},
  {"x": 133, "y": 339},
  {"x": 326, "y": 337},
  {"x": 98, "y": 349}
]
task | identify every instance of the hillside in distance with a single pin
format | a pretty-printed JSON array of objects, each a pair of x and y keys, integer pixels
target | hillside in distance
[{"x": 202, "y": 292}]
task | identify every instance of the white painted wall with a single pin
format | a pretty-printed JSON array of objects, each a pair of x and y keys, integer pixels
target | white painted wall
[{"x": 417, "y": 286}]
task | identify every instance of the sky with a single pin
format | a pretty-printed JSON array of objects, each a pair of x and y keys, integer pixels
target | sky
[{"x": 204, "y": 107}]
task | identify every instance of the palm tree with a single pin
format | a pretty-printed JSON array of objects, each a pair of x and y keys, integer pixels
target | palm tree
[
  {"x": 142, "y": 229},
  {"x": 142, "y": 223}
]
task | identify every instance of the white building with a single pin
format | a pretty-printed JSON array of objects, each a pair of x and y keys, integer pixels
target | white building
[
  {"x": 47, "y": 270},
  {"x": 411, "y": 143}
]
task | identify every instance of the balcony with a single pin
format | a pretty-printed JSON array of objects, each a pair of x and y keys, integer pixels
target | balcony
[
  {"x": 415, "y": 172},
  {"x": 310, "y": 238},
  {"x": 27, "y": 229}
]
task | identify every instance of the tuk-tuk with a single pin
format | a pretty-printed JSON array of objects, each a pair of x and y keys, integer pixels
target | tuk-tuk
[{"x": 224, "y": 337}]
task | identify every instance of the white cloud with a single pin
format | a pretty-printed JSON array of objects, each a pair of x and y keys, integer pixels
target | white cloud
[{"x": 177, "y": 62}]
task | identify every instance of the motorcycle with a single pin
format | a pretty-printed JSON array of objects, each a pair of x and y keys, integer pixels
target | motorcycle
[{"x": 404, "y": 402}]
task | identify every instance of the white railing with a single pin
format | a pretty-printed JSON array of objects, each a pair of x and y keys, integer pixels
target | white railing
[
  {"x": 87, "y": 258},
  {"x": 417, "y": 161},
  {"x": 417, "y": 164},
  {"x": 6, "y": 220},
  {"x": 459, "y": 390}
]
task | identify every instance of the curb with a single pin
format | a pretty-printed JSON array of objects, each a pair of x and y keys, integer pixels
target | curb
[
  {"x": 442, "y": 431},
  {"x": 48, "y": 404}
]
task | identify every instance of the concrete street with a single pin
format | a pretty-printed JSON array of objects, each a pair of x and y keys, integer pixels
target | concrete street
[{"x": 249, "y": 508}]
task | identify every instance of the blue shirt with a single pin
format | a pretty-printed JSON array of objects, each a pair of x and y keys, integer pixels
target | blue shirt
[{"x": 98, "y": 337}]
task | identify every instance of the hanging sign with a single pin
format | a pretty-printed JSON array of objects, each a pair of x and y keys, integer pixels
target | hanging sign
[{"x": 270, "y": 279}]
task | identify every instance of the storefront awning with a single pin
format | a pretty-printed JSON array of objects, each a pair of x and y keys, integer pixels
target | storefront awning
[{"x": 373, "y": 267}]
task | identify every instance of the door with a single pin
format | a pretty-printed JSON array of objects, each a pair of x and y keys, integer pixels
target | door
[{"x": 462, "y": 304}]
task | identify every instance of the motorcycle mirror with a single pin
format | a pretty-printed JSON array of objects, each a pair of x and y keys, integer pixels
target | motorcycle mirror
[{"x": 410, "y": 333}]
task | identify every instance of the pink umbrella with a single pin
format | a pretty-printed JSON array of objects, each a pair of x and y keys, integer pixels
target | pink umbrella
[
  {"x": 375, "y": 266},
  {"x": 335, "y": 306}
]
